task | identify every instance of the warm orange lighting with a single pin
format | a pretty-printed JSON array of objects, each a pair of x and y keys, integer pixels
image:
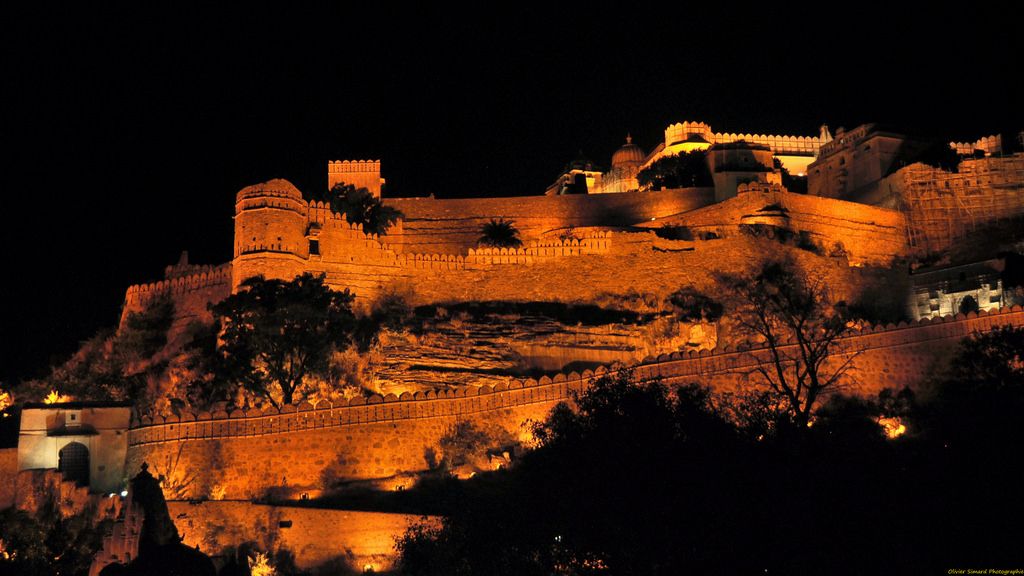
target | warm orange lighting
[
  {"x": 4, "y": 554},
  {"x": 54, "y": 397},
  {"x": 5, "y": 402},
  {"x": 259, "y": 565},
  {"x": 894, "y": 427}
]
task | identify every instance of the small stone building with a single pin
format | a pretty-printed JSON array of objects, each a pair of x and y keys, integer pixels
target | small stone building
[{"x": 86, "y": 441}]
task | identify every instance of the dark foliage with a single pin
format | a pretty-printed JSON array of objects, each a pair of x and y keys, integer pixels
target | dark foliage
[
  {"x": 469, "y": 443},
  {"x": 777, "y": 304},
  {"x": 500, "y": 233},
  {"x": 276, "y": 333},
  {"x": 684, "y": 170},
  {"x": 691, "y": 305},
  {"x": 935, "y": 154},
  {"x": 361, "y": 207},
  {"x": 674, "y": 233},
  {"x": 46, "y": 543},
  {"x": 644, "y": 479},
  {"x": 801, "y": 239}
]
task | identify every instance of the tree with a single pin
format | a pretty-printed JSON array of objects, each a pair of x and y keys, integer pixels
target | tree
[
  {"x": 792, "y": 316},
  {"x": 993, "y": 361},
  {"x": 277, "y": 333},
  {"x": 680, "y": 171},
  {"x": 500, "y": 233},
  {"x": 692, "y": 305},
  {"x": 361, "y": 207}
]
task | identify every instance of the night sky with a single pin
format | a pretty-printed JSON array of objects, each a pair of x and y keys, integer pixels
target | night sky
[{"x": 129, "y": 133}]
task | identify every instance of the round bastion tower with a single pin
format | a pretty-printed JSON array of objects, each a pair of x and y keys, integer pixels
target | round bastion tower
[{"x": 270, "y": 232}]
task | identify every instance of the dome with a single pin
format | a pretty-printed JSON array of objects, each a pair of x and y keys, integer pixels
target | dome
[
  {"x": 278, "y": 187},
  {"x": 629, "y": 154}
]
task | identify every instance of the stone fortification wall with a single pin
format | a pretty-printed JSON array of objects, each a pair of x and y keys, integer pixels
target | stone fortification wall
[
  {"x": 305, "y": 448},
  {"x": 868, "y": 235},
  {"x": 359, "y": 173},
  {"x": 367, "y": 264},
  {"x": 942, "y": 207},
  {"x": 892, "y": 356},
  {"x": 546, "y": 269},
  {"x": 453, "y": 225},
  {"x": 635, "y": 263},
  {"x": 243, "y": 455},
  {"x": 315, "y": 536},
  {"x": 8, "y": 476},
  {"x": 190, "y": 293}
]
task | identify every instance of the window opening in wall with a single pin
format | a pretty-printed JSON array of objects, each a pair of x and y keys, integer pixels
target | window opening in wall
[{"x": 314, "y": 247}]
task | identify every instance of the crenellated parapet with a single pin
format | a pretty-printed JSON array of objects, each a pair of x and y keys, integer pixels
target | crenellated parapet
[
  {"x": 139, "y": 294},
  {"x": 784, "y": 145},
  {"x": 595, "y": 243},
  {"x": 989, "y": 145},
  {"x": 780, "y": 145},
  {"x": 691, "y": 366},
  {"x": 359, "y": 173},
  {"x": 464, "y": 402}
]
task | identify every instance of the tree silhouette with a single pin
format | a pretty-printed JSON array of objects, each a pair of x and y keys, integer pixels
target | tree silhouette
[
  {"x": 500, "y": 233},
  {"x": 683, "y": 170},
  {"x": 275, "y": 334},
  {"x": 361, "y": 207},
  {"x": 793, "y": 317}
]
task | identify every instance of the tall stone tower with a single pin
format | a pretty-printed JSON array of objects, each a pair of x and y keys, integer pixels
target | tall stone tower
[
  {"x": 359, "y": 173},
  {"x": 271, "y": 221}
]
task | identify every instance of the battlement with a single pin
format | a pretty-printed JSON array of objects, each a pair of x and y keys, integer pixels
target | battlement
[
  {"x": 185, "y": 270},
  {"x": 471, "y": 400},
  {"x": 780, "y": 145},
  {"x": 321, "y": 213},
  {"x": 347, "y": 166},
  {"x": 988, "y": 144},
  {"x": 209, "y": 276},
  {"x": 359, "y": 173}
]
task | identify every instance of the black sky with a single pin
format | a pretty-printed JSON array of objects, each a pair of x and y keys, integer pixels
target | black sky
[{"x": 129, "y": 133}]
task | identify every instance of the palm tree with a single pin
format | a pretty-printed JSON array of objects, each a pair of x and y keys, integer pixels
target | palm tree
[
  {"x": 500, "y": 233},
  {"x": 360, "y": 207}
]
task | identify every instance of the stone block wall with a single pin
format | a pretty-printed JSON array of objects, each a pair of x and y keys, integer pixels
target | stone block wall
[
  {"x": 306, "y": 448},
  {"x": 8, "y": 476},
  {"x": 245, "y": 455},
  {"x": 868, "y": 234},
  {"x": 191, "y": 294},
  {"x": 453, "y": 225},
  {"x": 358, "y": 540}
]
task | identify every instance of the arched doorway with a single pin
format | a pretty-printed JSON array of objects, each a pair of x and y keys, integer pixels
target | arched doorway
[
  {"x": 73, "y": 463},
  {"x": 968, "y": 304}
]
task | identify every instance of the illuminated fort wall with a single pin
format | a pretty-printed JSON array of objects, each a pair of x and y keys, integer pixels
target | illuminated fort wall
[
  {"x": 275, "y": 231},
  {"x": 453, "y": 225},
  {"x": 795, "y": 152},
  {"x": 945, "y": 207},
  {"x": 8, "y": 475},
  {"x": 316, "y": 536},
  {"x": 869, "y": 235},
  {"x": 247, "y": 455},
  {"x": 359, "y": 173}
]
